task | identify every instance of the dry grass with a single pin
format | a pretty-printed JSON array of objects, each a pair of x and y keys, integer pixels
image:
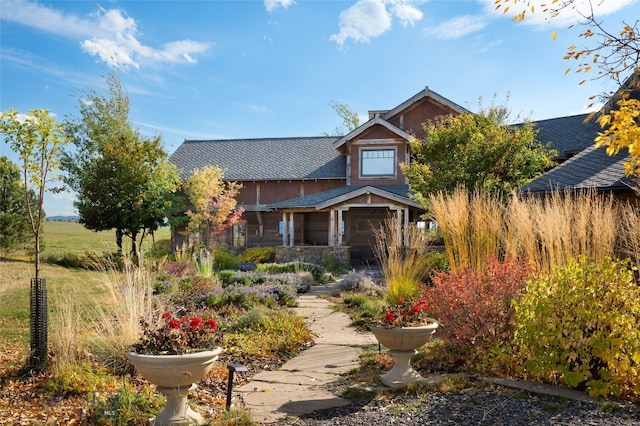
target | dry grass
[
  {"x": 541, "y": 231},
  {"x": 402, "y": 264},
  {"x": 116, "y": 323},
  {"x": 470, "y": 226}
]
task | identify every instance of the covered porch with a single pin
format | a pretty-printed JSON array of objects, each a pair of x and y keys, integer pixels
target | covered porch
[{"x": 342, "y": 225}]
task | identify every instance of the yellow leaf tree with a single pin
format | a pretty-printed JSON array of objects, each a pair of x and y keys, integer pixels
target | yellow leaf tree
[{"x": 212, "y": 200}]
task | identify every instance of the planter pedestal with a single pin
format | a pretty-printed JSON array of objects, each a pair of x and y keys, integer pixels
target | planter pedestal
[
  {"x": 403, "y": 343},
  {"x": 402, "y": 372},
  {"x": 177, "y": 412},
  {"x": 174, "y": 376}
]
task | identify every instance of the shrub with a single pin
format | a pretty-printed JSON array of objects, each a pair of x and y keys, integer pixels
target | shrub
[
  {"x": 580, "y": 325},
  {"x": 361, "y": 283},
  {"x": 281, "y": 331},
  {"x": 473, "y": 307},
  {"x": 223, "y": 258},
  {"x": 258, "y": 255},
  {"x": 317, "y": 271}
]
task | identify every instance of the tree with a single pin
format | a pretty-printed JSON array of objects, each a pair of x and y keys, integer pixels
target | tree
[
  {"x": 213, "y": 202},
  {"x": 38, "y": 141},
  {"x": 350, "y": 119},
  {"x": 14, "y": 218},
  {"x": 615, "y": 54},
  {"x": 476, "y": 150},
  {"x": 123, "y": 181}
]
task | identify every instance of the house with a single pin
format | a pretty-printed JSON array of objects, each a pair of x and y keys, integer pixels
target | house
[{"x": 319, "y": 196}]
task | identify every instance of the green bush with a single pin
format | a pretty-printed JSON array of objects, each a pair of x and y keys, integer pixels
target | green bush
[
  {"x": 258, "y": 255},
  {"x": 434, "y": 261},
  {"x": 317, "y": 271},
  {"x": 223, "y": 258},
  {"x": 580, "y": 325}
]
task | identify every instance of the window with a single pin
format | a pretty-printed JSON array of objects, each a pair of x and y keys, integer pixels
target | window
[
  {"x": 378, "y": 162},
  {"x": 239, "y": 235},
  {"x": 281, "y": 227}
]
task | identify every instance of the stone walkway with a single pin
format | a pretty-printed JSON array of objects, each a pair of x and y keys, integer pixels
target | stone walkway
[{"x": 302, "y": 385}]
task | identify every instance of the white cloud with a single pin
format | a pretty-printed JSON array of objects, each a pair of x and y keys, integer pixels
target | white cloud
[
  {"x": 271, "y": 5},
  {"x": 110, "y": 35},
  {"x": 458, "y": 27},
  {"x": 406, "y": 13},
  {"x": 570, "y": 15},
  {"x": 363, "y": 20}
]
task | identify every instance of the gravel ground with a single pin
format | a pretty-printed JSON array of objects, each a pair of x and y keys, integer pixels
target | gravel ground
[{"x": 495, "y": 406}]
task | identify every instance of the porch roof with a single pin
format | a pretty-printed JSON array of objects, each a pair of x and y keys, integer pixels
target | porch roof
[{"x": 321, "y": 200}]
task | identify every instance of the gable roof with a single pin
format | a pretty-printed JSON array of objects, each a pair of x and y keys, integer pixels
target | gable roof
[
  {"x": 372, "y": 122},
  {"x": 262, "y": 159},
  {"x": 568, "y": 135},
  {"x": 426, "y": 93},
  {"x": 334, "y": 196},
  {"x": 590, "y": 169}
]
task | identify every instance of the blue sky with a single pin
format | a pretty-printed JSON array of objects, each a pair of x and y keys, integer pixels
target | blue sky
[{"x": 243, "y": 69}]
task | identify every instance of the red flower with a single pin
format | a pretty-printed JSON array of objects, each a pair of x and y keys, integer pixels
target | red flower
[
  {"x": 389, "y": 316},
  {"x": 173, "y": 324},
  {"x": 196, "y": 323},
  {"x": 211, "y": 323},
  {"x": 185, "y": 319},
  {"x": 416, "y": 308},
  {"x": 166, "y": 315},
  {"x": 401, "y": 299}
]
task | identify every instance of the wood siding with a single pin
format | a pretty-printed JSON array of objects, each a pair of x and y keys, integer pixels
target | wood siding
[{"x": 411, "y": 120}]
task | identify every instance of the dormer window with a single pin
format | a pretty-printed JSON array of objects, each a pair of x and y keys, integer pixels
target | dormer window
[{"x": 378, "y": 162}]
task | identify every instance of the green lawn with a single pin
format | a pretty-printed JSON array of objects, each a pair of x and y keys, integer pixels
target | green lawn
[{"x": 70, "y": 237}]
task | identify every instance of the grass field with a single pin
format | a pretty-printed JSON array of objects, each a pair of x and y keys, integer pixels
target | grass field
[
  {"x": 80, "y": 285},
  {"x": 70, "y": 237}
]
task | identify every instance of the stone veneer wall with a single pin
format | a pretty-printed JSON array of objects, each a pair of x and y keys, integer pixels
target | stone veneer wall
[{"x": 313, "y": 254}]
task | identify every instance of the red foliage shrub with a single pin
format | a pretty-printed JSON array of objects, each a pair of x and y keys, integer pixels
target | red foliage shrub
[{"x": 473, "y": 307}]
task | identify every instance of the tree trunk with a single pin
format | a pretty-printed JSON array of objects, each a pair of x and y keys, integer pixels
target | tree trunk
[{"x": 119, "y": 241}]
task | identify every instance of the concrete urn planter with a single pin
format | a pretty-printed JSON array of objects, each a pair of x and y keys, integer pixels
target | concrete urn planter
[
  {"x": 174, "y": 376},
  {"x": 403, "y": 343}
]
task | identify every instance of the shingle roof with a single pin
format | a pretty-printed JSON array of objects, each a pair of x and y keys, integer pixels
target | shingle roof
[
  {"x": 567, "y": 134},
  {"x": 320, "y": 197},
  {"x": 264, "y": 159},
  {"x": 590, "y": 169}
]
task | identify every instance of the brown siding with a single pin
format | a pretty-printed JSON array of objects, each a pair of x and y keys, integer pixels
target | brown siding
[
  {"x": 399, "y": 179},
  {"x": 275, "y": 191},
  {"x": 418, "y": 114}
]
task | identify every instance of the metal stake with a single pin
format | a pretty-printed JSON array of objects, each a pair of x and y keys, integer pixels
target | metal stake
[{"x": 232, "y": 369}]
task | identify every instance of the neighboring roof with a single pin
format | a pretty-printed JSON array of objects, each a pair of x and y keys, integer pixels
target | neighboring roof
[
  {"x": 590, "y": 169},
  {"x": 568, "y": 135},
  {"x": 426, "y": 93},
  {"x": 293, "y": 158},
  {"x": 325, "y": 199},
  {"x": 372, "y": 122}
]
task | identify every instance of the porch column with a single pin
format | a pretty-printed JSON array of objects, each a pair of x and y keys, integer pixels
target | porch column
[
  {"x": 332, "y": 228},
  {"x": 285, "y": 230},
  {"x": 406, "y": 227},
  {"x": 340, "y": 229},
  {"x": 399, "y": 223},
  {"x": 291, "y": 230}
]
